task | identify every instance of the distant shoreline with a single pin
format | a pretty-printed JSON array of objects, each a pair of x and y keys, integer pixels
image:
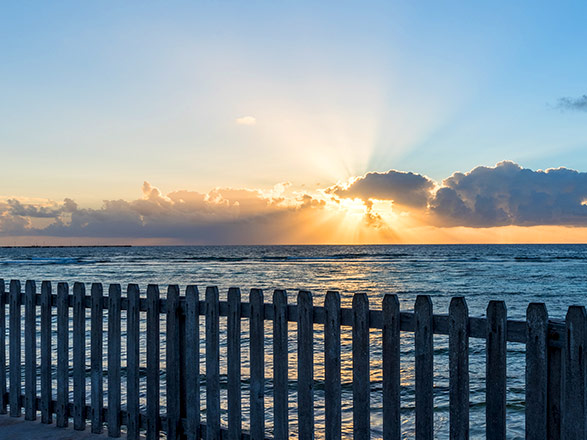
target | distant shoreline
[{"x": 65, "y": 246}]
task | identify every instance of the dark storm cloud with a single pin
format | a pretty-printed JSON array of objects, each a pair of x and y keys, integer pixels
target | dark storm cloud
[
  {"x": 573, "y": 104},
  {"x": 407, "y": 189},
  {"x": 508, "y": 194}
]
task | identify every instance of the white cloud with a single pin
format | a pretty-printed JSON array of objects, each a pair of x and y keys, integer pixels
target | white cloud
[{"x": 246, "y": 120}]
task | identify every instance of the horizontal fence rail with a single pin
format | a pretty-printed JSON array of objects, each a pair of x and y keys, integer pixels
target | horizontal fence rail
[{"x": 555, "y": 367}]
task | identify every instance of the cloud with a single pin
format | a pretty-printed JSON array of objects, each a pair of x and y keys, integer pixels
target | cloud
[
  {"x": 222, "y": 216},
  {"x": 503, "y": 195},
  {"x": 573, "y": 104},
  {"x": 407, "y": 189},
  {"x": 508, "y": 194},
  {"x": 246, "y": 120}
]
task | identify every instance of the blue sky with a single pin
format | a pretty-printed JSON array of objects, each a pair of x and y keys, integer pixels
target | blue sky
[{"x": 97, "y": 97}]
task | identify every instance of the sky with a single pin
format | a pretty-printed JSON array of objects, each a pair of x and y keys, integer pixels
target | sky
[{"x": 256, "y": 122}]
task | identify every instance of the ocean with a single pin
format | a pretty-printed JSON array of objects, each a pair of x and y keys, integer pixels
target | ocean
[{"x": 517, "y": 274}]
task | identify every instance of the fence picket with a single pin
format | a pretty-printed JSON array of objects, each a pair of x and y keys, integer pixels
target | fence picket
[
  {"x": 45, "y": 330},
  {"x": 495, "y": 370},
  {"x": 391, "y": 368},
  {"x": 257, "y": 356},
  {"x": 424, "y": 361},
  {"x": 96, "y": 354},
  {"x": 172, "y": 366},
  {"x": 15, "y": 349},
  {"x": 153, "y": 353},
  {"x": 554, "y": 393},
  {"x": 212, "y": 364},
  {"x": 305, "y": 366},
  {"x": 30, "y": 351},
  {"x": 62, "y": 354},
  {"x": 132, "y": 362},
  {"x": 234, "y": 363},
  {"x": 574, "y": 419},
  {"x": 332, "y": 385},
  {"x": 3, "y": 370},
  {"x": 536, "y": 371},
  {"x": 458, "y": 354},
  {"x": 361, "y": 379},
  {"x": 192, "y": 359},
  {"x": 79, "y": 361},
  {"x": 280, "y": 376},
  {"x": 114, "y": 342}
]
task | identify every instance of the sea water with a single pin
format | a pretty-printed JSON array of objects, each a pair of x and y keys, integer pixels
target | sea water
[{"x": 517, "y": 274}]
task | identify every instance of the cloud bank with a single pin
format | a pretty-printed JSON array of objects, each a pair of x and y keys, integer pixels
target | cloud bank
[
  {"x": 503, "y": 195},
  {"x": 485, "y": 197}
]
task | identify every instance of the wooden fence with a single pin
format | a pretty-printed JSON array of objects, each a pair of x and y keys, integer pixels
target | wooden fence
[{"x": 555, "y": 362}]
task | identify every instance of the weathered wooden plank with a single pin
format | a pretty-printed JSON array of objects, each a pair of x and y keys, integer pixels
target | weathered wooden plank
[
  {"x": 424, "y": 365},
  {"x": 280, "y": 366},
  {"x": 257, "y": 357},
  {"x": 153, "y": 351},
  {"x": 62, "y": 354},
  {"x": 132, "y": 362},
  {"x": 172, "y": 367},
  {"x": 554, "y": 393},
  {"x": 30, "y": 351},
  {"x": 305, "y": 366},
  {"x": 15, "y": 349},
  {"x": 46, "y": 389},
  {"x": 192, "y": 358},
  {"x": 79, "y": 361},
  {"x": 234, "y": 363},
  {"x": 495, "y": 370},
  {"x": 3, "y": 388},
  {"x": 96, "y": 354},
  {"x": 574, "y": 419},
  {"x": 361, "y": 381},
  {"x": 212, "y": 364},
  {"x": 391, "y": 368},
  {"x": 536, "y": 372},
  {"x": 458, "y": 354},
  {"x": 114, "y": 343},
  {"x": 182, "y": 365}
]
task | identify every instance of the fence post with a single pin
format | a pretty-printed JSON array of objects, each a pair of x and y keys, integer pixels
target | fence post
[
  {"x": 391, "y": 368},
  {"x": 212, "y": 364},
  {"x": 46, "y": 388},
  {"x": 192, "y": 359},
  {"x": 153, "y": 352},
  {"x": 332, "y": 380},
  {"x": 495, "y": 370},
  {"x": 424, "y": 368},
  {"x": 114, "y": 343},
  {"x": 132, "y": 361},
  {"x": 62, "y": 354},
  {"x": 30, "y": 351},
  {"x": 233, "y": 342},
  {"x": 305, "y": 366},
  {"x": 536, "y": 371},
  {"x": 280, "y": 367},
  {"x": 575, "y": 374},
  {"x": 3, "y": 390},
  {"x": 361, "y": 378},
  {"x": 15, "y": 348}
]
